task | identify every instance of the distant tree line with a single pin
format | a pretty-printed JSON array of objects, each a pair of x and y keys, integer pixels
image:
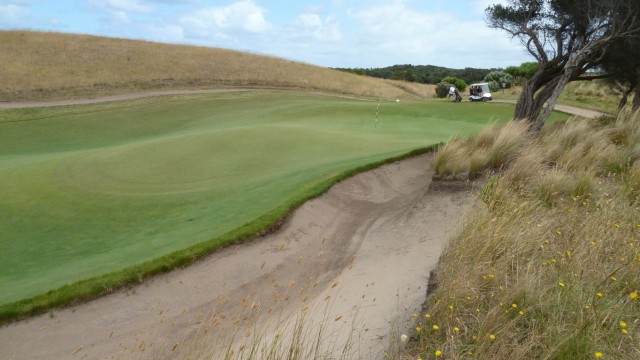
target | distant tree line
[{"x": 425, "y": 74}]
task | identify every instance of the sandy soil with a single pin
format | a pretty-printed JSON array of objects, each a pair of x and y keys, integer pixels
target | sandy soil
[{"x": 354, "y": 261}]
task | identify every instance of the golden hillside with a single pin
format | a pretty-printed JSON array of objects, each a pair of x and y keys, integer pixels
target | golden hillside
[{"x": 41, "y": 66}]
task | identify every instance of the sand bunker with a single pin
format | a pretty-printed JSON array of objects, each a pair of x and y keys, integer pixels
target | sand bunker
[{"x": 356, "y": 258}]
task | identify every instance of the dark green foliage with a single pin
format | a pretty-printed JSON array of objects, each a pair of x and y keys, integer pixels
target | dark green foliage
[
  {"x": 459, "y": 83},
  {"x": 523, "y": 72},
  {"x": 425, "y": 74}
]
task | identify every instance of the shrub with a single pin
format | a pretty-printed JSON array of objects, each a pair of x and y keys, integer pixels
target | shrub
[
  {"x": 499, "y": 78},
  {"x": 442, "y": 90},
  {"x": 459, "y": 83},
  {"x": 494, "y": 85}
]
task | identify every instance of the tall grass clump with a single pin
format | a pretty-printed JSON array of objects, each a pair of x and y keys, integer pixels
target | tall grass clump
[
  {"x": 547, "y": 265},
  {"x": 494, "y": 147}
]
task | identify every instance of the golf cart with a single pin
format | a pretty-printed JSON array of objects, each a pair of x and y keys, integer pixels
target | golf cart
[{"x": 479, "y": 92}]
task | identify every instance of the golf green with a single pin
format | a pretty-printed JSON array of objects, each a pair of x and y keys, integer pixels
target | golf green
[{"x": 93, "y": 189}]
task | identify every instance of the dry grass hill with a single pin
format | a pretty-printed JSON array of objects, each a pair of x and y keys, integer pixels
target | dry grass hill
[{"x": 45, "y": 66}]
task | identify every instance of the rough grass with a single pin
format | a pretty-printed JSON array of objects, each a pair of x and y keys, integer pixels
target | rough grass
[
  {"x": 494, "y": 147},
  {"x": 42, "y": 66},
  {"x": 597, "y": 95},
  {"x": 547, "y": 265}
]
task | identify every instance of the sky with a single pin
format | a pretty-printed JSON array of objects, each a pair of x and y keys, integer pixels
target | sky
[{"x": 329, "y": 33}]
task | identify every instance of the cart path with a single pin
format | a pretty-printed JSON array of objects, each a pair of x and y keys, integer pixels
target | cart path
[
  {"x": 146, "y": 94},
  {"x": 569, "y": 109}
]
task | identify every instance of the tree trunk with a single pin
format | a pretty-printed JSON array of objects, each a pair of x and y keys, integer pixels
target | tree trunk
[
  {"x": 625, "y": 95},
  {"x": 535, "y": 92},
  {"x": 570, "y": 71},
  {"x": 636, "y": 87}
]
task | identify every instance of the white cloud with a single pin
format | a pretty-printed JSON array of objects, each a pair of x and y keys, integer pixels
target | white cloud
[
  {"x": 124, "y": 5},
  {"x": 12, "y": 15},
  {"x": 394, "y": 27},
  {"x": 313, "y": 27},
  {"x": 423, "y": 37},
  {"x": 243, "y": 16},
  {"x": 119, "y": 17}
]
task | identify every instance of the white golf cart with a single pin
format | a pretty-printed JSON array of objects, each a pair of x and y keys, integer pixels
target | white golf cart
[{"x": 479, "y": 92}]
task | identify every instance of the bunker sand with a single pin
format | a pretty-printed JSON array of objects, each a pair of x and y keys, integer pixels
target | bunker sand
[{"x": 356, "y": 258}]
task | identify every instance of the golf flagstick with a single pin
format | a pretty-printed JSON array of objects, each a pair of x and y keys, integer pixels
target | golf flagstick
[{"x": 377, "y": 107}]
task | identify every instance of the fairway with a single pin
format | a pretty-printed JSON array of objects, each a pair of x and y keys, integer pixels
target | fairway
[{"x": 93, "y": 189}]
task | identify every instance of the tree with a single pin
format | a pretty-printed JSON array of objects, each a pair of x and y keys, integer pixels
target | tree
[
  {"x": 622, "y": 62},
  {"x": 499, "y": 78},
  {"x": 523, "y": 72},
  {"x": 409, "y": 75},
  {"x": 567, "y": 38}
]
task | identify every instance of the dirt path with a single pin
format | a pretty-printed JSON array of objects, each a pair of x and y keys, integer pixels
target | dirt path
[
  {"x": 145, "y": 94},
  {"x": 573, "y": 110},
  {"x": 362, "y": 251},
  {"x": 107, "y": 98}
]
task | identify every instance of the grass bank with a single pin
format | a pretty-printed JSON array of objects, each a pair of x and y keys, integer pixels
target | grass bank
[
  {"x": 102, "y": 195},
  {"x": 39, "y": 66},
  {"x": 547, "y": 265}
]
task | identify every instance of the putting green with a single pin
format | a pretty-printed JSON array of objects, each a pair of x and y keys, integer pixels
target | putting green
[{"x": 92, "y": 189}]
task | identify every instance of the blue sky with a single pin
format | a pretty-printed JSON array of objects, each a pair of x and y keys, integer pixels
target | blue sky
[{"x": 332, "y": 33}]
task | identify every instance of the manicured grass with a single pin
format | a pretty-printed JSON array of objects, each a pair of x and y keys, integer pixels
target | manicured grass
[{"x": 107, "y": 190}]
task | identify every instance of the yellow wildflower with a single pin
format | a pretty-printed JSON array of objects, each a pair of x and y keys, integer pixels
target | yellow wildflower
[
  {"x": 634, "y": 295},
  {"x": 438, "y": 353},
  {"x": 435, "y": 327},
  {"x": 598, "y": 355},
  {"x": 492, "y": 337}
]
